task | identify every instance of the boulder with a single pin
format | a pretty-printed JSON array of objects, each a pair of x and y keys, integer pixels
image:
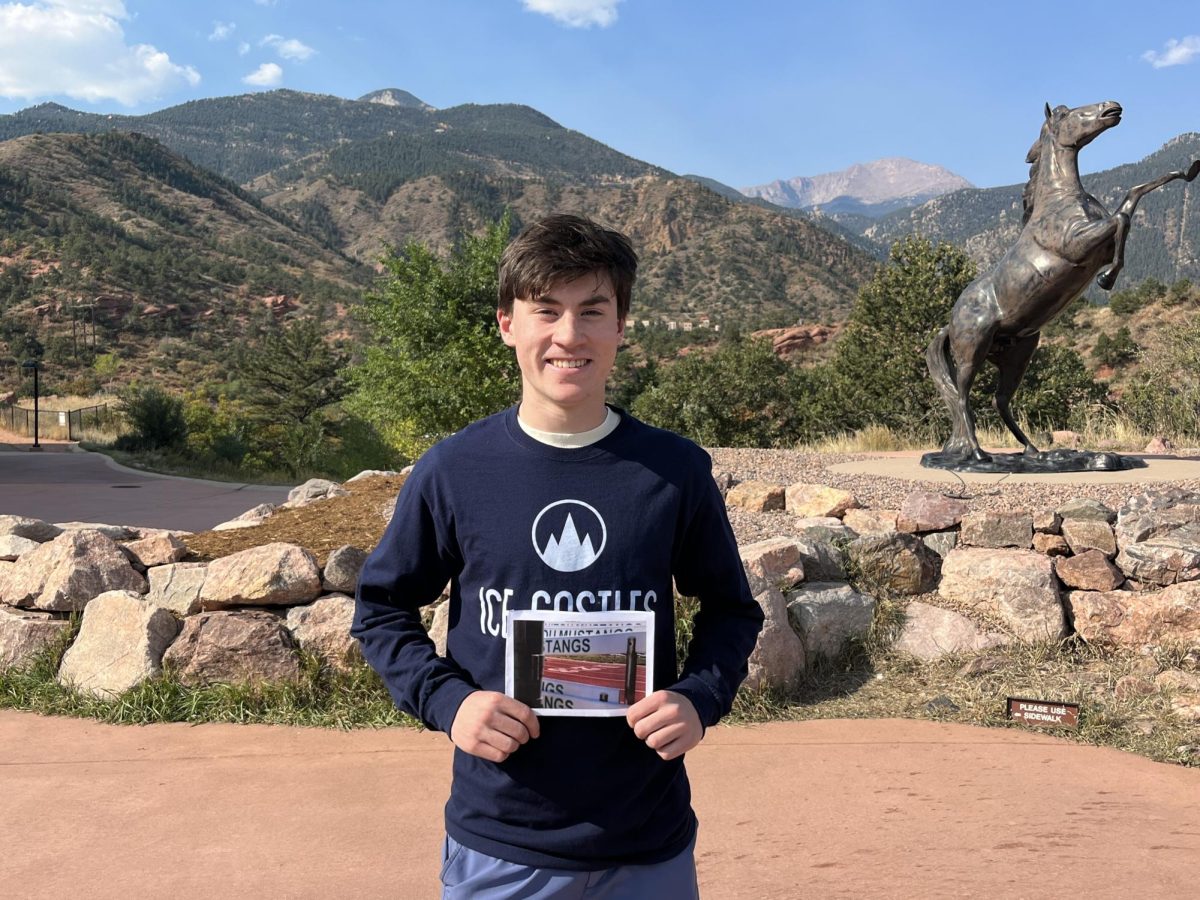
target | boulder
[
  {"x": 32, "y": 529},
  {"x": 276, "y": 574},
  {"x": 313, "y": 490},
  {"x": 235, "y": 524},
  {"x": 870, "y": 521},
  {"x": 930, "y": 632},
  {"x": 1130, "y": 687},
  {"x": 439, "y": 628},
  {"x": 1047, "y": 521},
  {"x": 1125, "y": 619},
  {"x": 930, "y": 511},
  {"x": 24, "y": 632},
  {"x": 342, "y": 569},
  {"x": 387, "y": 509},
  {"x": 1083, "y": 535},
  {"x": 827, "y": 614},
  {"x": 1167, "y": 558},
  {"x": 894, "y": 564},
  {"x": 234, "y": 646},
  {"x": 1051, "y": 544},
  {"x": 756, "y": 496},
  {"x": 996, "y": 529},
  {"x": 808, "y": 500},
  {"x": 177, "y": 587},
  {"x": 155, "y": 551},
  {"x": 256, "y": 513},
  {"x": 1155, "y": 512},
  {"x": 822, "y": 561},
  {"x": 724, "y": 481},
  {"x": 1186, "y": 706},
  {"x": 1178, "y": 680},
  {"x": 778, "y": 660},
  {"x": 1090, "y": 571},
  {"x": 67, "y": 572},
  {"x": 120, "y": 644},
  {"x": 115, "y": 532},
  {"x": 940, "y": 542},
  {"x": 822, "y": 528},
  {"x": 323, "y": 628},
  {"x": 773, "y": 563},
  {"x": 1159, "y": 444},
  {"x": 13, "y": 545},
  {"x": 1085, "y": 509},
  {"x": 1066, "y": 438},
  {"x": 1017, "y": 587},
  {"x": 372, "y": 473}
]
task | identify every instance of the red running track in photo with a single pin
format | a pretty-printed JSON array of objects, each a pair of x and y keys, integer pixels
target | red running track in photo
[{"x": 598, "y": 683}]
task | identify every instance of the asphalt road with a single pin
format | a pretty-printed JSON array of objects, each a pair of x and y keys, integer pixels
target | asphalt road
[{"x": 58, "y": 486}]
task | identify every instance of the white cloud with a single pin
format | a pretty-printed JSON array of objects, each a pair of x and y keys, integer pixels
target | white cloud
[
  {"x": 266, "y": 2},
  {"x": 243, "y": 48},
  {"x": 78, "y": 48},
  {"x": 576, "y": 13},
  {"x": 287, "y": 48},
  {"x": 266, "y": 75},
  {"x": 1175, "y": 52},
  {"x": 221, "y": 30}
]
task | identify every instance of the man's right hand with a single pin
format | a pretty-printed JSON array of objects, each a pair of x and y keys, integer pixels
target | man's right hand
[{"x": 492, "y": 725}]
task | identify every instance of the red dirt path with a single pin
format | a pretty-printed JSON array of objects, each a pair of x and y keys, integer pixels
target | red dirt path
[{"x": 812, "y": 809}]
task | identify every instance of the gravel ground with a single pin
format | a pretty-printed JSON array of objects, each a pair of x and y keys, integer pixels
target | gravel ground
[{"x": 786, "y": 467}]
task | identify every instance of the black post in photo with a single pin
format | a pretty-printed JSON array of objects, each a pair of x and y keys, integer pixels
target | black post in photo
[
  {"x": 630, "y": 670},
  {"x": 528, "y": 651}
]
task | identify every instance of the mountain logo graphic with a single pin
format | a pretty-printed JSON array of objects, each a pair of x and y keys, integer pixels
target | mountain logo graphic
[{"x": 569, "y": 535}]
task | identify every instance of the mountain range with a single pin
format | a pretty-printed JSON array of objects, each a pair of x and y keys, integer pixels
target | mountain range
[
  {"x": 868, "y": 189},
  {"x": 194, "y": 221}
]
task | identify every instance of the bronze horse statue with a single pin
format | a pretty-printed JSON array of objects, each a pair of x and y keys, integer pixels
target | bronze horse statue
[{"x": 1067, "y": 238}]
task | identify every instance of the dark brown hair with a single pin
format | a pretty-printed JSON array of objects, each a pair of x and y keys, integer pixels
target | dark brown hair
[{"x": 563, "y": 248}]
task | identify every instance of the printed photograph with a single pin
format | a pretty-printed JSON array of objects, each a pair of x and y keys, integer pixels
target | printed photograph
[{"x": 579, "y": 664}]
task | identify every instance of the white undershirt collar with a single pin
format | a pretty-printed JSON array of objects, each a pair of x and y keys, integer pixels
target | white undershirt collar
[{"x": 574, "y": 441}]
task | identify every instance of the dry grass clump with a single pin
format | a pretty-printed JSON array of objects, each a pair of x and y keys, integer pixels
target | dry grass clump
[
  {"x": 972, "y": 689},
  {"x": 320, "y": 527}
]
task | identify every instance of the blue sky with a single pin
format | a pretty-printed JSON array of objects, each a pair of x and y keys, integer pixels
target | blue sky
[{"x": 742, "y": 92}]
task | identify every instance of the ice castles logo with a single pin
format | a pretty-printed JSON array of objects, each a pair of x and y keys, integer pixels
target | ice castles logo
[{"x": 565, "y": 534}]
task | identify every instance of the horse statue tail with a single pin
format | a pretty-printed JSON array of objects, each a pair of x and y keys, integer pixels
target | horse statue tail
[{"x": 941, "y": 370}]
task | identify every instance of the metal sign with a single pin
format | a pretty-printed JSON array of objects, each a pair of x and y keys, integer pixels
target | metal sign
[{"x": 1044, "y": 713}]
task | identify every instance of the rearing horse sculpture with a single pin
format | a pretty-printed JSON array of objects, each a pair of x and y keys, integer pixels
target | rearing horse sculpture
[{"x": 1067, "y": 238}]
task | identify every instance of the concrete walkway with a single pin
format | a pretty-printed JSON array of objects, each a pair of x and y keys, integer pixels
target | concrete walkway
[
  {"x": 907, "y": 464},
  {"x": 861, "y": 809}
]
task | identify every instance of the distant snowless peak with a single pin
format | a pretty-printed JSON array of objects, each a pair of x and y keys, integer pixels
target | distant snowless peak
[
  {"x": 884, "y": 181},
  {"x": 395, "y": 97}
]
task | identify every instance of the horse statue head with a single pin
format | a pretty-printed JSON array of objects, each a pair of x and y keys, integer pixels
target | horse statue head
[{"x": 1066, "y": 129}]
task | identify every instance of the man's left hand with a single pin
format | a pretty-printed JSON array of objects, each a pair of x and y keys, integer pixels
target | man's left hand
[{"x": 667, "y": 722}]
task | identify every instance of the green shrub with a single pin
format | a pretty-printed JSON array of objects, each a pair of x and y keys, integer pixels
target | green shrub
[
  {"x": 155, "y": 419},
  {"x": 1116, "y": 350}
]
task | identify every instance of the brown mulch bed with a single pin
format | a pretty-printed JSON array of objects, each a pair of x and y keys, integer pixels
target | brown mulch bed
[{"x": 320, "y": 527}]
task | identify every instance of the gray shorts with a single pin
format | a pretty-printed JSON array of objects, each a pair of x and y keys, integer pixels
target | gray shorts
[{"x": 470, "y": 875}]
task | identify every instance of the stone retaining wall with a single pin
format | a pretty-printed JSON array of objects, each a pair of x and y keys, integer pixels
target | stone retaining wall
[{"x": 969, "y": 581}]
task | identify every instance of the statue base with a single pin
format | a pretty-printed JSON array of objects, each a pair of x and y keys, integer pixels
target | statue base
[{"x": 1049, "y": 461}]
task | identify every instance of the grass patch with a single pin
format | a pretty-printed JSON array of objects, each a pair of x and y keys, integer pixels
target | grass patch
[{"x": 323, "y": 697}]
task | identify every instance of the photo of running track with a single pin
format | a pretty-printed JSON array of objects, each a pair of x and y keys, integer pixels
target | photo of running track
[{"x": 598, "y": 684}]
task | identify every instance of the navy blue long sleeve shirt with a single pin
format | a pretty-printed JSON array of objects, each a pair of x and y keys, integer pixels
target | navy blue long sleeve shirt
[{"x": 484, "y": 510}]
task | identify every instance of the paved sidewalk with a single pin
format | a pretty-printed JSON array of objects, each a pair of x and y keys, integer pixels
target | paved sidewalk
[{"x": 862, "y": 809}]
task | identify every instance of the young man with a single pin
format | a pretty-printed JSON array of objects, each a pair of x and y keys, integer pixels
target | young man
[{"x": 549, "y": 807}]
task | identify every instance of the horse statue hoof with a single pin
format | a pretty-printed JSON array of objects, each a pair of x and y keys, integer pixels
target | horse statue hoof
[
  {"x": 1193, "y": 171},
  {"x": 1106, "y": 280}
]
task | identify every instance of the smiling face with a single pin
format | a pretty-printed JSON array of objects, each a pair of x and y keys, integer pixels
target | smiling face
[{"x": 566, "y": 342}]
